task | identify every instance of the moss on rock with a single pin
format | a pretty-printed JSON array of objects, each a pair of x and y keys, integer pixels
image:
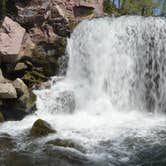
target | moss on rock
[
  {"x": 33, "y": 77},
  {"x": 41, "y": 128}
]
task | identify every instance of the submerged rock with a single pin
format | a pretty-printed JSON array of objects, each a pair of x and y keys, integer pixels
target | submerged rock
[
  {"x": 67, "y": 143},
  {"x": 41, "y": 128},
  {"x": 73, "y": 157},
  {"x": 6, "y": 142}
]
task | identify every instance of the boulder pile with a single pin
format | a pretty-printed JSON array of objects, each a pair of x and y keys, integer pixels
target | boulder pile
[{"x": 32, "y": 48}]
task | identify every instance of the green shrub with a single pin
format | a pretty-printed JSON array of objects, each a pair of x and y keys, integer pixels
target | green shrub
[
  {"x": 108, "y": 7},
  {"x": 3, "y": 8}
]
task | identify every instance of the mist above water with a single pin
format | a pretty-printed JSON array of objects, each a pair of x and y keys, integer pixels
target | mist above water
[{"x": 123, "y": 58}]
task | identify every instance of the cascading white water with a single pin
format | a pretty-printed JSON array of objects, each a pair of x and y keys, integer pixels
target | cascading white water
[
  {"x": 124, "y": 58},
  {"x": 116, "y": 76}
]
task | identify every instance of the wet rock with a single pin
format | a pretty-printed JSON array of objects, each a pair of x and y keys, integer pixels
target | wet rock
[
  {"x": 65, "y": 102},
  {"x": 17, "y": 109},
  {"x": 7, "y": 91},
  {"x": 21, "y": 88},
  {"x": 6, "y": 142},
  {"x": 67, "y": 154},
  {"x": 67, "y": 143},
  {"x": 20, "y": 66},
  {"x": 44, "y": 85},
  {"x": 11, "y": 37},
  {"x": 20, "y": 158},
  {"x": 25, "y": 104},
  {"x": 41, "y": 128},
  {"x": 2, "y": 119}
]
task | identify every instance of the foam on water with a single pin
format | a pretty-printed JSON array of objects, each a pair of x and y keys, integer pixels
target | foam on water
[{"x": 117, "y": 73}]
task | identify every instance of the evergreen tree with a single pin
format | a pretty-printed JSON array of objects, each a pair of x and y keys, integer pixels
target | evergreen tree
[
  {"x": 138, "y": 7},
  {"x": 3, "y": 7},
  {"x": 163, "y": 11},
  {"x": 109, "y": 7}
]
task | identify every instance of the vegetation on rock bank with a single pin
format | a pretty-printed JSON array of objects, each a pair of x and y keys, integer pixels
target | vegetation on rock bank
[{"x": 135, "y": 7}]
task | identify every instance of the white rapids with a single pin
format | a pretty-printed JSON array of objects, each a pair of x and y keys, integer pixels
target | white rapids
[{"x": 117, "y": 75}]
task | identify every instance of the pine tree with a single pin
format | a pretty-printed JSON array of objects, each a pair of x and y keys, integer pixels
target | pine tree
[
  {"x": 3, "y": 7},
  {"x": 109, "y": 6},
  {"x": 163, "y": 11},
  {"x": 138, "y": 7}
]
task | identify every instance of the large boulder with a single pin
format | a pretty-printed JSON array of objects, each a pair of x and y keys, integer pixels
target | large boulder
[
  {"x": 41, "y": 128},
  {"x": 17, "y": 109},
  {"x": 17, "y": 100},
  {"x": 11, "y": 37},
  {"x": 7, "y": 91}
]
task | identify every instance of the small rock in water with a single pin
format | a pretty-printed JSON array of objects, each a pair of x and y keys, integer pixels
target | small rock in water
[
  {"x": 41, "y": 128},
  {"x": 67, "y": 143}
]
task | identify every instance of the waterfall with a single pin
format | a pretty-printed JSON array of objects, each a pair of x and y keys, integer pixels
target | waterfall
[
  {"x": 122, "y": 58},
  {"x": 106, "y": 103}
]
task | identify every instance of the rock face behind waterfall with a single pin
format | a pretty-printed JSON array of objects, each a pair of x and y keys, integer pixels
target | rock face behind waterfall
[
  {"x": 11, "y": 39},
  {"x": 32, "y": 48}
]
